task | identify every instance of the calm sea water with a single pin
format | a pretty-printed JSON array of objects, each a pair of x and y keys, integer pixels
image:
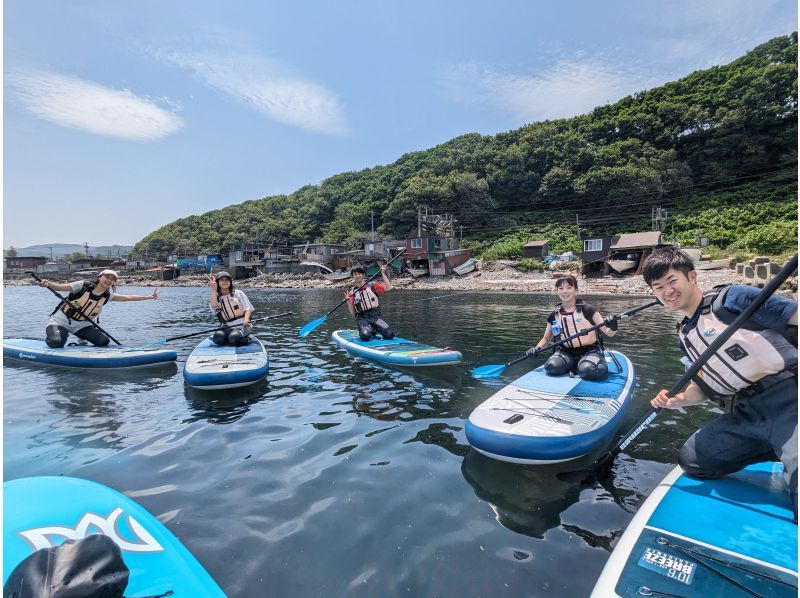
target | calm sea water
[{"x": 338, "y": 476}]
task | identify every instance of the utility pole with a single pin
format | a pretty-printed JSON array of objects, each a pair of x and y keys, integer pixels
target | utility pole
[
  {"x": 86, "y": 248},
  {"x": 372, "y": 224},
  {"x": 419, "y": 221},
  {"x": 578, "y": 227}
]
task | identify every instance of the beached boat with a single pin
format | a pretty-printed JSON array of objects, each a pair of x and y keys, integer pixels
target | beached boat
[
  {"x": 338, "y": 276},
  {"x": 713, "y": 265},
  {"x": 418, "y": 272},
  {"x": 466, "y": 267},
  {"x": 622, "y": 265}
]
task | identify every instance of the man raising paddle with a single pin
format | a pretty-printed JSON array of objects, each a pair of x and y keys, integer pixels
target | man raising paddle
[
  {"x": 753, "y": 376},
  {"x": 363, "y": 303}
]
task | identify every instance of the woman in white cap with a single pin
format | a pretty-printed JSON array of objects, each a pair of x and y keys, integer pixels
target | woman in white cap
[
  {"x": 232, "y": 308},
  {"x": 88, "y": 299}
]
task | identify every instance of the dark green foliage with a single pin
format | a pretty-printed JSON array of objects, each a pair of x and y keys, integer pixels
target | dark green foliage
[{"x": 716, "y": 148}]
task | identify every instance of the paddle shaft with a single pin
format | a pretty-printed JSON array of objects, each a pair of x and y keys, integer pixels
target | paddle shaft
[
  {"x": 67, "y": 303},
  {"x": 558, "y": 343},
  {"x": 762, "y": 297},
  {"x": 223, "y": 327}
]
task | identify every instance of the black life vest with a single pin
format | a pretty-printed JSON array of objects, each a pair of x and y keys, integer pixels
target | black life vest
[
  {"x": 229, "y": 308},
  {"x": 750, "y": 354},
  {"x": 88, "y": 305},
  {"x": 563, "y": 324}
]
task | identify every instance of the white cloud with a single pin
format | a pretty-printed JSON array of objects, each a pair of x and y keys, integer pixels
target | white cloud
[
  {"x": 79, "y": 104},
  {"x": 264, "y": 86},
  {"x": 568, "y": 88}
]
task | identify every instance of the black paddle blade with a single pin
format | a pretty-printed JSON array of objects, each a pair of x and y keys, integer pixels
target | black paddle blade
[{"x": 598, "y": 471}]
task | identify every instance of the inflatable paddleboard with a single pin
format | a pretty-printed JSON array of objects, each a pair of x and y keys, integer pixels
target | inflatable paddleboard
[
  {"x": 213, "y": 367},
  {"x": 85, "y": 356},
  {"x": 712, "y": 538},
  {"x": 548, "y": 419},
  {"x": 43, "y": 512},
  {"x": 397, "y": 351}
]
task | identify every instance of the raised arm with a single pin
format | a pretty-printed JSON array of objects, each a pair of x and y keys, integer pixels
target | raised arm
[{"x": 118, "y": 297}]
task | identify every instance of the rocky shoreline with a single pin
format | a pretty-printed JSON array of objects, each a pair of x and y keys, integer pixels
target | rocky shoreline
[{"x": 497, "y": 277}]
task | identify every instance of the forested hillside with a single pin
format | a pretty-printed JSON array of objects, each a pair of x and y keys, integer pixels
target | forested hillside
[{"x": 717, "y": 149}]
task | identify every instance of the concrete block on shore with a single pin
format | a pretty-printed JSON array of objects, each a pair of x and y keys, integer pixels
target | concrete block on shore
[
  {"x": 748, "y": 275},
  {"x": 762, "y": 274},
  {"x": 760, "y": 259},
  {"x": 773, "y": 269},
  {"x": 740, "y": 269}
]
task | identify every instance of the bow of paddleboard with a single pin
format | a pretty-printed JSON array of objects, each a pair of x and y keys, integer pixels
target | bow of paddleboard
[
  {"x": 214, "y": 367},
  {"x": 733, "y": 536},
  {"x": 549, "y": 419},
  {"x": 397, "y": 351},
  {"x": 85, "y": 356},
  {"x": 42, "y": 512}
]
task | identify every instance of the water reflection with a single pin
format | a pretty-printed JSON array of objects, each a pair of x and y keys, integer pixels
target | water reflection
[{"x": 223, "y": 406}]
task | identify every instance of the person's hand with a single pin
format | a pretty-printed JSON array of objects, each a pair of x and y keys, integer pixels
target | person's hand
[
  {"x": 348, "y": 295},
  {"x": 611, "y": 322},
  {"x": 666, "y": 402},
  {"x": 532, "y": 352},
  {"x": 154, "y": 295},
  {"x": 212, "y": 282},
  {"x": 44, "y": 283}
]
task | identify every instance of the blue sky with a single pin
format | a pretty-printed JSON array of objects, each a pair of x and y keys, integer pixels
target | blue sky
[{"x": 120, "y": 117}]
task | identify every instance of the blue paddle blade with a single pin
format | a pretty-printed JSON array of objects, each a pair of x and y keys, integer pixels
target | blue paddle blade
[
  {"x": 487, "y": 371},
  {"x": 311, "y": 326}
]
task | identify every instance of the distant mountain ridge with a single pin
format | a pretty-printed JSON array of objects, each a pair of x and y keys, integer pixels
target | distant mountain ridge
[{"x": 64, "y": 249}]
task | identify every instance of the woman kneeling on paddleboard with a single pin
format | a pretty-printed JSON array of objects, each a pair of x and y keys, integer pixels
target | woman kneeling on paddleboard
[
  {"x": 570, "y": 317},
  {"x": 363, "y": 303},
  {"x": 232, "y": 308},
  {"x": 86, "y": 300}
]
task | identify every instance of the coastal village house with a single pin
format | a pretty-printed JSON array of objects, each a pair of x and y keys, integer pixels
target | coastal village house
[
  {"x": 628, "y": 253},
  {"x": 594, "y": 254},
  {"x": 438, "y": 254},
  {"x": 20, "y": 265}
]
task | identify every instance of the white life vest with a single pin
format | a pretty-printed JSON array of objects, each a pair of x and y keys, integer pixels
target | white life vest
[
  {"x": 229, "y": 308},
  {"x": 88, "y": 305},
  {"x": 564, "y": 324},
  {"x": 750, "y": 354},
  {"x": 365, "y": 299}
]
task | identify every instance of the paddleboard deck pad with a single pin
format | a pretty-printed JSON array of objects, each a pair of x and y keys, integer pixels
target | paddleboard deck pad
[
  {"x": 729, "y": 537},
  {"x": 214, "y": 367},
  {"x": 42, "y": 512},
  {"x": 548, "y": 419},
  {"x": 397, "y": 351},
  {"x": 85, "y": 356}
]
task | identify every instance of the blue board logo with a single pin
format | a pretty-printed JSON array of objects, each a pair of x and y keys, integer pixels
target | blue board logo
[{"x": 709, "y": 333}]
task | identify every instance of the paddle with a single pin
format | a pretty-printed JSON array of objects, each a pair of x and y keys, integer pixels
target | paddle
[
  {"x": 175, "y": 338},
  {"x": 67, "y": 303},
  {"x": 314, "y": 324},
  {"x": 493, "y": 371},
  {"x": 602, "y": 466}
]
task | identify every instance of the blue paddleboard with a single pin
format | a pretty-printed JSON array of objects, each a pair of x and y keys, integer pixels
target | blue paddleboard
[
  {"x": 548, "y": 419},
  {"x": 43, "y": 512},
  {"x": 85, "y": 356},
  {"x": 721, "y": 538},
  {"x": 397, "y": 351},
  {"x": 213, "y": 367}
]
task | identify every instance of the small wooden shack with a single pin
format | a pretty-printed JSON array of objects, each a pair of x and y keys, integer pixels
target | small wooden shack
[{"x": 536, "y": 250}]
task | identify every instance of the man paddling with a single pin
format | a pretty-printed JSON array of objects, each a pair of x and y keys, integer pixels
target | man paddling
[
  {"x": 363, "y": 303},
  {"x": 753, "y": 376}
]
